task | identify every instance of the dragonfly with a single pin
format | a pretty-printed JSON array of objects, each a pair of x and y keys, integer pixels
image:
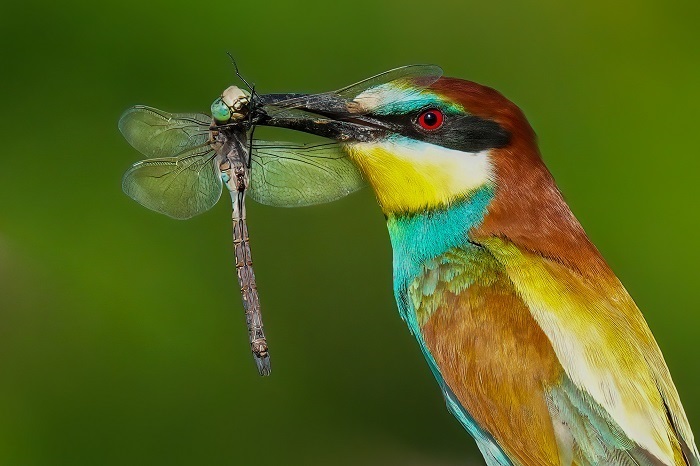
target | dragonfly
[{"x": 193, "y": 155}]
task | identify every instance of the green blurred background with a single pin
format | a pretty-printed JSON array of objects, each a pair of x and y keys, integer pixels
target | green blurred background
[{"x": 122, "y": 339}]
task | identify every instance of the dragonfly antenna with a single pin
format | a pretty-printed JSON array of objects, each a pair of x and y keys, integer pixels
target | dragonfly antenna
[{"x": 238, "y": 73}]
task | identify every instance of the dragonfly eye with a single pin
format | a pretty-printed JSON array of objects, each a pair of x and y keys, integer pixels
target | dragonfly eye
[{"x": 220, "y": 111}]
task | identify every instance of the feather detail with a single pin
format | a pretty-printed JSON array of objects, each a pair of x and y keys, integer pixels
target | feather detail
[
  {"x": 605, "y": 348},
  {"x": 492, "y": 357}
]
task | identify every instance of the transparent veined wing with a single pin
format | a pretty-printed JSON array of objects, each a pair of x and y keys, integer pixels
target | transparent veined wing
[
  {"x": 358, "y": 96},
  {"x": 419, "y": 75},
  {"x": 284, "y": 174},
  {"x": 180, "y": 187},
  {"x": 156, "y": 133}
]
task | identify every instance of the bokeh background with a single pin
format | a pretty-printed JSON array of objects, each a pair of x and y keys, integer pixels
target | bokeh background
[{"x": 122, "y": 339}]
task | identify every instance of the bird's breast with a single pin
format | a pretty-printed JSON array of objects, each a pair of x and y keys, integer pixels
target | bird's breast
[{"x": 487, "y": 349}]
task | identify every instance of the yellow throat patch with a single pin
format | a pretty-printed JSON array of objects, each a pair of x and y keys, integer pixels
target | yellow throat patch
[{"x": 410, "y": 176}]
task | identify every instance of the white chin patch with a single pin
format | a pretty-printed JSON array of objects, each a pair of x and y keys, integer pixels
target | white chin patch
[{"x": 458, "y": 171}]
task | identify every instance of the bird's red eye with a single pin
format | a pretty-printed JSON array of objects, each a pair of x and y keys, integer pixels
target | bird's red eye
[{"x": 430, "y": 119}]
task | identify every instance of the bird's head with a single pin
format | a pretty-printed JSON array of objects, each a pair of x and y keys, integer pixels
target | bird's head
[
  {"x": 422, "y": 142},
  {"x": 426, "y": 142}
]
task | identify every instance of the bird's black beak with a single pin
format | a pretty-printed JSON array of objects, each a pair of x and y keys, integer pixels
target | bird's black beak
[{"x": 327, "y": 115}]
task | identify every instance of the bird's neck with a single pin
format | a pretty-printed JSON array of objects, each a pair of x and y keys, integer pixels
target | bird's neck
[
  {"x": 419, "y": 237},
  {"x": 529, "y": 212}
]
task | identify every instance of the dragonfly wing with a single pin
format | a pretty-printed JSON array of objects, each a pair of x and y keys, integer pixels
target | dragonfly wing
[
  {"x": 284, "y": 174},
  {"x": 156, "y": 133},
  {"x": 358, "y": 96},
  {"x": 180, "y": 187},
  {"x": 422, "y": 75}
]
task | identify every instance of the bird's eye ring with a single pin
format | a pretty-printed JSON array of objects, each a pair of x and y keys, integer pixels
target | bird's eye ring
[{"x": 431, "y": 119}]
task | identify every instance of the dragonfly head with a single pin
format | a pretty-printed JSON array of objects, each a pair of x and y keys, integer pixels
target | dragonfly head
[
  {"x": 232, "y": 105},
  {"x": 420, "y": 144}
]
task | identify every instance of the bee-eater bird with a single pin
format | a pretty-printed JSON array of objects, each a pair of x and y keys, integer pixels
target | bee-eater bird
[{"x": 539, "y": 350}]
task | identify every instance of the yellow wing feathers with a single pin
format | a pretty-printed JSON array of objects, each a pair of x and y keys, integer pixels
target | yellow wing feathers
[{"x": 605, "y": 347}]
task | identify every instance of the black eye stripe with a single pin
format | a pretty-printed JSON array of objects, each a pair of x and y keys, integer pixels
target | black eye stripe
[{"x": 467, "y": 133}]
